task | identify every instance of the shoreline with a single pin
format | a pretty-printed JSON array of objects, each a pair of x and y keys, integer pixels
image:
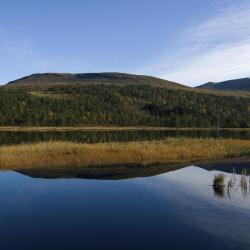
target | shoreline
[{"x": 108, "y": 128}]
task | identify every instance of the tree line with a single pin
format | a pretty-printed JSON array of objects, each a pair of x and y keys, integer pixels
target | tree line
[{"x": 121, "y": 105}]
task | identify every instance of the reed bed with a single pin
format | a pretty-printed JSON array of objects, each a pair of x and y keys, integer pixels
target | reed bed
[{"x": 69, "y": 154}]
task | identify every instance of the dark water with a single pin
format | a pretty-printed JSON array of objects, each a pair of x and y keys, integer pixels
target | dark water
[
  {"x": 177, "y": 209},
  {"x": 112, "y": 136}
]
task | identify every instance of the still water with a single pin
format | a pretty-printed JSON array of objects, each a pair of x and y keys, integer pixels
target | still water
[
  {"x": 165, "y": 208},
  {"x": 7, "y": 138}
]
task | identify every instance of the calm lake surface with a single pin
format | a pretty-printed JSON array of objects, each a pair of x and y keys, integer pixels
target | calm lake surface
[
  {"x": 7, "y": 138},
  {"x": 176, "y": 208}
]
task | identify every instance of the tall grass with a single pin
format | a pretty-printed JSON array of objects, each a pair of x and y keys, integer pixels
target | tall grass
[{"x": 68, "y": 154}]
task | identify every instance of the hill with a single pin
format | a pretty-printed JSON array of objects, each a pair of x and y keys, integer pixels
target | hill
[
  {"x": 230, "y": 85},
  {"x": 48, "y": 79},
  {"x": 118, "y": 100}
]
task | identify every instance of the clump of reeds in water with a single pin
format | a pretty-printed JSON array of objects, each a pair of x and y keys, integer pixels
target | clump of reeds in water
[
  {"x": 219, "y": 185},
  {"x": 242, "y": 182},
  {"x": 231, "y": 183},
  {"x": 219, "y": 180}
]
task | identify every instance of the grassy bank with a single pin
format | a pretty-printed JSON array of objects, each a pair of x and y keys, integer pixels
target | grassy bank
[{"x": 171, "y": 150}]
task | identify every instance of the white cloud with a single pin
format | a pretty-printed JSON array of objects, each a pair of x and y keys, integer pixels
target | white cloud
[
  {"x": 223, "y": 62},
  {"x": 215, "y": 50}
]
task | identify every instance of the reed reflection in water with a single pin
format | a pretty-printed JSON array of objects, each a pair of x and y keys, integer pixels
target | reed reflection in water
[{"x": 232, "y": 183}]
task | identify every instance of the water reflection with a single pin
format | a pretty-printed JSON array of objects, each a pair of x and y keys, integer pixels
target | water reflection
[
  {"x": 105, "y": 211},
  {"x": 233, "y": 183},
  {"x": 112, "y": 136},
  {"x": 225, "y": 184},
  {"x": 101, "y": 173}
]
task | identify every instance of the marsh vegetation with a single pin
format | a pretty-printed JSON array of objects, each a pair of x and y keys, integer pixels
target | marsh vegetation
[
  {"x": 168, "y": 151},
  {"x": 219, "y": 184}
]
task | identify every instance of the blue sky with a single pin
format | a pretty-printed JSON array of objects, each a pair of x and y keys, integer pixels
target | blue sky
[{"x": 190, "y": 42}]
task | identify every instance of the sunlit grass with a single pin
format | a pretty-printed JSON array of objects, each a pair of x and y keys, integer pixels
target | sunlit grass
[{"x": 69, "y": 154}]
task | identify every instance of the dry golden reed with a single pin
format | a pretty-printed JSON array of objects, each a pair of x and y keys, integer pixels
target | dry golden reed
[{"x": 69, "y": 154}]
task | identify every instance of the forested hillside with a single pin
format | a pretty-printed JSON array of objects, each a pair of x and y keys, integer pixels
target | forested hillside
[{"x": 126, "y": 104}]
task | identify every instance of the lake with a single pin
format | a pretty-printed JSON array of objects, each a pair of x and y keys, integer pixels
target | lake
[
  {"x": 153, "y": 208},
  {"x": 7, "y": 138}
]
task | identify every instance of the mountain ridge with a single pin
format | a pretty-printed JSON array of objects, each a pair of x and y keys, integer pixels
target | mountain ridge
[
  {"x": 242, "y": 84},
  {"x": 44, "y": 79}
]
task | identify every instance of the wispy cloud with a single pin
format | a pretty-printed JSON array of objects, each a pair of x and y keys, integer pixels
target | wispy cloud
[
  {"x": 230, "y": 22},
  {"x": 214, "y": 50}
]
